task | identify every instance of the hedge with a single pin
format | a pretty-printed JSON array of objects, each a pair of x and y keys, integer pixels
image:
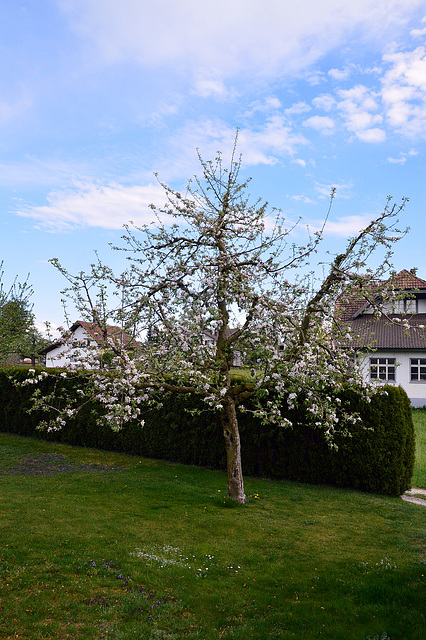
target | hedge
[{"x": 378, "y": 458}]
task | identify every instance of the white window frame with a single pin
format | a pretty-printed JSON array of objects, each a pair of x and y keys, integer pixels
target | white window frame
[
  {"x": 417, "y": 369},
  {"x": 382, "y": 369},
  {"x": 410, "y": 305}
]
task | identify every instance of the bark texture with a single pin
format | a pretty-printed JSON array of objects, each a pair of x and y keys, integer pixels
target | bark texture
[{"x": 233, "y": 452}]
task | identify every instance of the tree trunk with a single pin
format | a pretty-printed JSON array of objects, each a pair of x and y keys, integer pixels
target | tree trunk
[{"x": 233, "y": 452}]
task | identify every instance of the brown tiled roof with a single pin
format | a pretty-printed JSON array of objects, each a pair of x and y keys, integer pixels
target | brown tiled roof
[
  {"x": 353, "y": 302},
  {"x": 406, "y": 280},
  {"x": 96, "y": 334},
  {"x": 355, "y": 299},
  {"x": 388, "y": 333}
]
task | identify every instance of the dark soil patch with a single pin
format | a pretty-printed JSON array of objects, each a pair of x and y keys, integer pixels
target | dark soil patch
[{"x": 48, "y": 464}]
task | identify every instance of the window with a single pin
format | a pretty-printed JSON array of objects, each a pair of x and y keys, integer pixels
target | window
[
  {"x": 382, "y": 369},
  {"x": 406, "y": 305},
  {"x": 410, "y": 305},
  {"x": 418, "y": 369}
]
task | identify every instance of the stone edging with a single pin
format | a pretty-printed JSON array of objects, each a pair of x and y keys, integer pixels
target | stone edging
[{"x": 416, "y": 496}]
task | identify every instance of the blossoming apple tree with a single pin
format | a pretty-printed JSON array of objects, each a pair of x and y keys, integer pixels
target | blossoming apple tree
[{"x": 214, "y": 282}]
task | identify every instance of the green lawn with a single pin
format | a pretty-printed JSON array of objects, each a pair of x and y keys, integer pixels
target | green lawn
[
  {"x": 419, "y": 475},
  {"x": 97, "y": 545}
]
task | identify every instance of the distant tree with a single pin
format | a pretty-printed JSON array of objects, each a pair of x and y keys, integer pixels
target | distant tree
[
  {"x": 18, "y": 334},
  {"x": 227, "y": 269}
]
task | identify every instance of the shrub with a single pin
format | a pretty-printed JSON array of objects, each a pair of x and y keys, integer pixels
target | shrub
[{"x": 378, "y": 457}]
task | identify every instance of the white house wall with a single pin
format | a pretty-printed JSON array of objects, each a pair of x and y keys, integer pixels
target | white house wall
[
  {"x": 416, "y": 391},
  {"x": 60, "y": 356}
]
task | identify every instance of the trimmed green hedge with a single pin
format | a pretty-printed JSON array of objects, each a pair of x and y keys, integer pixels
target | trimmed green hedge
[{"x": 379, "y": 459}]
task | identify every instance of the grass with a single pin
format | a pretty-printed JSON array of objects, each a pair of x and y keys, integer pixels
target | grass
[
  {"x": 419, "y": 475},
  {"x": 96, "y": 545}
]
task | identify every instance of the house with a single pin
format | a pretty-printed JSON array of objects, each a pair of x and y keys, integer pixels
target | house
[
  {"x": 391, "y": 346},
  {"x": 209, "y": 339},
  {"x": 83, "y": 337}
]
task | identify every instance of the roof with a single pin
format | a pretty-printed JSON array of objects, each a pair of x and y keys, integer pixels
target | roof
[
  {"x": 392, "y": 331},
  {"x": 407, "y": 281},
  {"x": 389, "y": 333},
  {"x": 94, "y": 331},
  {"x": 353, "y": 302},
  {"x": 97, "y": 334}
]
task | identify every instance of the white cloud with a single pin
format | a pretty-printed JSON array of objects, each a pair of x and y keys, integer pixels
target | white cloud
[
  {"x": 344, "y": 227},
  {"x": 339, "y": 74},
  {"x": 207, "y": 87},
  {"x": 314, "y": 78},
  {"x": 402, "y": 157},
  {"x": 400, "y": 160},
  {"x": 418, "y": 33},
  {"x": 356, "y": 99},
  {"x": 326, "y": 102},
  {"x": 258, "y": 36},
  {"x": 404, "y": 91},
  {"x": 110, "y": 205},
  {"x": 302, "y": 198},
  {"x": 342, "y": 190},
  {"x": 356, "y": 106},
  {"x": 398, "y": 102},
  {"x": 51, "y": 332},
  {"x": 323, "y": 124},
  {"x": 347, "y": 226},
  {"x": 267, "y": 105},
  {"x": 272, "y": 141},
  {"x": 267, "y": 144},
  {"x": 300, "y": 162},
  {"x": 163, "y": 111},
  {"x": 273, "y": 103},
  {"x": 372, "y": 135},
  {"x": 92, "y": 205},
  {"x": 296, "y": 108}
]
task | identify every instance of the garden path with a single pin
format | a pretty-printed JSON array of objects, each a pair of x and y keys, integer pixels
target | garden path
[{"x": 417, "y": 496}]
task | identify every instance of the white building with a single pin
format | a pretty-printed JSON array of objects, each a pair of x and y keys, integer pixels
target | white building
[
  {"x": 391, "y": 353},
  {"x": 83, "y": 338}
]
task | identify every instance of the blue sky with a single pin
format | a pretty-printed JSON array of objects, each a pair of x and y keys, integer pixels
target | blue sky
[{"x": 97, "y": 95}]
